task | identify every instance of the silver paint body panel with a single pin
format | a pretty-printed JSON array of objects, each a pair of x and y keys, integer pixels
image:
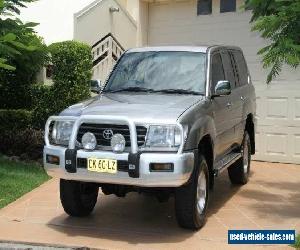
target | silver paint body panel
[{"x": 195, "y": 115}]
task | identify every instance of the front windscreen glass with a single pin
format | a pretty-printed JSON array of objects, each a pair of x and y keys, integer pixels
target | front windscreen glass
[{"x": 165, "y": 71}]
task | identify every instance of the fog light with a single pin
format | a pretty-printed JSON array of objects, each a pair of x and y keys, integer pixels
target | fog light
[
  {"x": 161, "y": 167},
  {"x": 118, "y": 143},
  {"x": 89, "y": 141},
  {"x": 52, "y": 159}
]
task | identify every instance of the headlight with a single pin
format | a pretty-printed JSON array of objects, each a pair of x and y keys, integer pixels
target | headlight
[
  {"x": 164, "y": 136},
  {"x": 62, "y": 131}
]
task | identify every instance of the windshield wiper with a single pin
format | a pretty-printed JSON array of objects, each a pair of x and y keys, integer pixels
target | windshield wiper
[
  {"x": 130, "y": 89},
  {"x": 180, "y": 91}
]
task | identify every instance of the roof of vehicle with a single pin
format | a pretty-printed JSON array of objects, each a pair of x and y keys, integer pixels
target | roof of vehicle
[{"x": 202, "y": 49}]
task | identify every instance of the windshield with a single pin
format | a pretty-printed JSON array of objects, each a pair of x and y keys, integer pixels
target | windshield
[{"x": 166, "y": 71}]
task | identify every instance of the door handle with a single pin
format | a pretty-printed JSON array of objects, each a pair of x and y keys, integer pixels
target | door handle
[{"x": 229, "y": 104}]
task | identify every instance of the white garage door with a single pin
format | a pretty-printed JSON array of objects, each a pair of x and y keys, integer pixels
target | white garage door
[{"x": 278, "y": 104}]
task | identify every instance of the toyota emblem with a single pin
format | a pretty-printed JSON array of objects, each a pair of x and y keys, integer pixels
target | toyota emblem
[{"x": 108, "y": 134}]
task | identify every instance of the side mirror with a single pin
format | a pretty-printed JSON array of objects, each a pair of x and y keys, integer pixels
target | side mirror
[
  {"x": 96, "y": 86},
  {"x": 222, "y": 88}
]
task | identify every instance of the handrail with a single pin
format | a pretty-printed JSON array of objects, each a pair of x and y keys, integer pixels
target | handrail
[{"x": 105, "y": 53}]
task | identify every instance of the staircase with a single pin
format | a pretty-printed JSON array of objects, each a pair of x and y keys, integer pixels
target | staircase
[{"x": 105, "y": 53}]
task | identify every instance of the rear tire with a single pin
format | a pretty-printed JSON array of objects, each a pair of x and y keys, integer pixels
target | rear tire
[
  {"x": 239, "y": 171},
  {"x": 78, "y": 198},
  {"x": 191, "y": 200}
]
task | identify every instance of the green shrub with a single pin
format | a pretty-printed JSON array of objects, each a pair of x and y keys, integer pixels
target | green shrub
[
  {"x": 26, "y": 143},
  {"x": 72, "y": 71},
  {"x": 42, "y": 97},
  {"x": 18, "y": 119},
  {"x": 17, "y": 137}
]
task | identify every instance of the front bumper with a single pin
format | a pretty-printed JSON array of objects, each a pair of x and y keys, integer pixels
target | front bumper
[{"x": 183, "y": 168}]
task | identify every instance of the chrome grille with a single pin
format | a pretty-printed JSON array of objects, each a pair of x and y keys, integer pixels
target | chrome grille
[{"x": 98, "y": 129}]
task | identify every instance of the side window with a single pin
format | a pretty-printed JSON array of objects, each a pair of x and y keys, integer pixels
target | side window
[
  {"x": 227, "y": 6},
  {"x": 217, "y": 72},
  {"x": 229, "y": 69},
  {"x": 241, "y": 67},
  {"x": 204, "y": 7}
]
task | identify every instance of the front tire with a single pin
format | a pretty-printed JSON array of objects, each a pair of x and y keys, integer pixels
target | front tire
[
  {"x": 78, "y": 198},
  {"x": 239, "y": 171},
  {"x": 191, "y": 200}
]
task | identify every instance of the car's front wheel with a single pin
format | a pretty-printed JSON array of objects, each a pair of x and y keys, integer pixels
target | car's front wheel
[
  {"x": 191, "y": 200},
  {"x": 78, "y": 198}
]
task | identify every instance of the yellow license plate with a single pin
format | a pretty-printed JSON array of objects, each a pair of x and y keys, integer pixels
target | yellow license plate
[{"x": 102, "y": 165}]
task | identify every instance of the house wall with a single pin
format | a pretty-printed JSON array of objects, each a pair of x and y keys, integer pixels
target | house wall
[
  {"x": 143, "y": 24},
  {"x": 95, "y": 21},
  {"x": 278, "y": 104}
]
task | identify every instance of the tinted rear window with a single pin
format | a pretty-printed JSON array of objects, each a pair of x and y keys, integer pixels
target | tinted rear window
[
  {"x": 229, "y": 69},
  {"x": 241, "y": 67}
]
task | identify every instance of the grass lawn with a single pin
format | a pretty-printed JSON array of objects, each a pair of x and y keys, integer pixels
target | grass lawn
[
  {"x": 16, "y": 179},
  {"x": 297, "y": 243}
]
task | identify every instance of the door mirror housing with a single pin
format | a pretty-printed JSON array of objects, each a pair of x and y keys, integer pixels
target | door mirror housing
[
  {"x": 222, "y": 88},
  {"x": 96, "y": 86}
]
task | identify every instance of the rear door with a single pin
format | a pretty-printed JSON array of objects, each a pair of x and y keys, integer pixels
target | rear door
[
  {"x": 243, "y": 92},
  {"x": 231, "y": 75},
  {"x": 221, "y": 109}
]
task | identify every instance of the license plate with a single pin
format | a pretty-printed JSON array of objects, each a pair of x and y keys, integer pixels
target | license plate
[{"x": 102, "y": 165}]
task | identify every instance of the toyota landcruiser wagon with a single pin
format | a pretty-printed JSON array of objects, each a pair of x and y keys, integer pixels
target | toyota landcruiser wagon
[{"x": 167, "y": 121}]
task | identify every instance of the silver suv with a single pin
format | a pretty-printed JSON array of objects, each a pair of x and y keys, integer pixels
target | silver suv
[{"x": 168, "y": 121}]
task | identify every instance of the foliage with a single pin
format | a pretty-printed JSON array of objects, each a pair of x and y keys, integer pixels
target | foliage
[
  {"x": 17, "y": 136},
  {"x": 11, "y": 120},
  {"x": 278, "y": 21},
  {"x": 22, "y": 55},
  {"x": 13, "y": 33},
  {"x": 26, "y": 143},
  {"x": 17, "y": 179},
  {"x": 43, "y": 104},
  {"x": 15, "y": 85},
  {"x": 297, "y": 243},
  {"x": 8, "y": 7},
  {"x": 72, "y": 67},
  {"x": 72, "y": 64}
]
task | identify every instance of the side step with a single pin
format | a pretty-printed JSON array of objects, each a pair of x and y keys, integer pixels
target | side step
[{"x": 226, "y": 162}]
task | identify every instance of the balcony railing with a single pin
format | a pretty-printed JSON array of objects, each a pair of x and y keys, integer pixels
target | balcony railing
[{"x": 105, "y": 54}]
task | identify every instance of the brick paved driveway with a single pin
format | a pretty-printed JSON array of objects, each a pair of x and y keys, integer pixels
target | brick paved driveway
[{"x": 271, "y": 200}]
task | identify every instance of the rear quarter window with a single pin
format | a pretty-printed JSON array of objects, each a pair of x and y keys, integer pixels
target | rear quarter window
[{"x": 241, "y": 67}]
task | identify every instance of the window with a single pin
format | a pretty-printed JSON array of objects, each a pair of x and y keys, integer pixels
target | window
[
  {"x": 228, "y": 68},
  {"x": 160, "y": 70},
  {"x": 217, "y": 70},
  {"x": 241, "y": 67},
  {"x": 204, "y": 7},
  {"x": 227, "y": 6}
]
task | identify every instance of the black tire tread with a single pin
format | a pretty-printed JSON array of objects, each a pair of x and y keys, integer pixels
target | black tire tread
[
  {"x": 71, "y": 199},
  {"x": 185, "y": 201}
]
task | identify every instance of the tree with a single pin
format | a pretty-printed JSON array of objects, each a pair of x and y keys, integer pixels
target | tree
[
  {"x": 13, "y": 32},
  {"x": 278, "y": 21},
  {"x": 22, "y": 55}
]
